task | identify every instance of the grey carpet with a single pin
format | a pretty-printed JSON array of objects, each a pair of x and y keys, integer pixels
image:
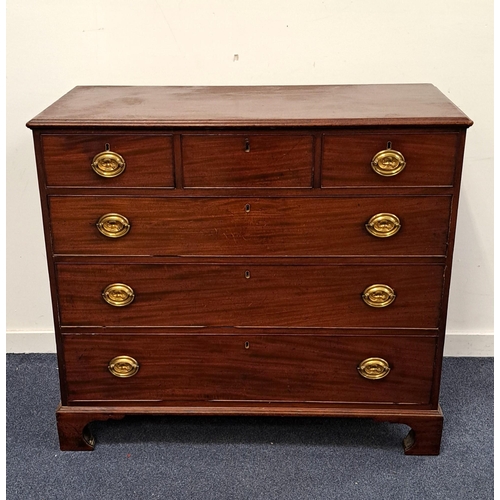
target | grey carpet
[{"x": 245, "y": 457}]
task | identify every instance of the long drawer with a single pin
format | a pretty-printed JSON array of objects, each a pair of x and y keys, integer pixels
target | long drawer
[
  {"x": 397, "y": 226},
  {"x": 214, "y": 368},
  {"x": 408, "y": 296}
]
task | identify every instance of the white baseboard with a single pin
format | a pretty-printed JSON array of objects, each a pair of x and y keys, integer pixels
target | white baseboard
[
  {"x": 457, "y": 344},
  {"x": 20, "y": 342},
  {"x": 469, "y": 344}
]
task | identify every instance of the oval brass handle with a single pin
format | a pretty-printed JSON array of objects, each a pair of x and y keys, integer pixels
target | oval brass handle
[
  {"x": 383, "y": 225},
  {"x": 388, "y": 162},
  {"x": 123, "y": 366},
  {"x": 374, "y": 368},
  {"x": 118, "y": 295},
  {"x": 379, "y": 295},
  {"x": 113, "y": 225},
  {"x": 108, "y": 164}
]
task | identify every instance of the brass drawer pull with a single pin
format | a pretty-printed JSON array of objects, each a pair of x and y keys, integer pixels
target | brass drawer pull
[
  {"x": 374, "y": 368},
  {"x": 108, "y": 163},
  {"x": 383, "y": 225},
  {"x": 123, "y": 366},
  {"x": 118, "y": 295},
  {"x": 379, "y": 295},
  {"x": 113, "y": 225},
  {"x": 388, "y": 162}
]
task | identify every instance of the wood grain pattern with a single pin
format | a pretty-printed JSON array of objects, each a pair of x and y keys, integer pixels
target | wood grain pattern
[
  {"x": 271, "y": 160},
  {"x": 424, "y": 437},
  {"x": 277, "y": 296},
  {"x": 272, "y": 368},
  {"x": 73, "y": 430},
  {"x": 272, "y": 106},
  {"x": 271, "y": 227},
  {"x": 266, "y": 247},
  {"x": 67, "y": 159},
  {"x": 430, "y": 159}
]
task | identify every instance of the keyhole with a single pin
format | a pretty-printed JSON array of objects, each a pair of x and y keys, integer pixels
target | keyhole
[
  {"x": 247, "y": 207},
  {"x": 247, "y": 146},
  {"x": 389, "y": 145},
  {"x": 247, "y": 274},
  {"x": 247, "y": 345},
  {"x": 106, "y": 146}
]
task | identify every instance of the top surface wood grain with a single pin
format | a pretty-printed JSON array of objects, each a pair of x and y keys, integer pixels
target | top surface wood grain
[{"x": 332, "y": 105}]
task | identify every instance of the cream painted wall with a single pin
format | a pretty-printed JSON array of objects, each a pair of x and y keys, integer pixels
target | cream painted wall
[{"x": 53, "y": 45}]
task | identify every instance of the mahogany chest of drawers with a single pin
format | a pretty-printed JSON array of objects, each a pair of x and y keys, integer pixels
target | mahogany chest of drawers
[{"x": 250, "y": 251}]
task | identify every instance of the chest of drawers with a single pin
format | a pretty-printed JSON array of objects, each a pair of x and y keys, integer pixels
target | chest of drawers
[{"x": 250, "y": 251}]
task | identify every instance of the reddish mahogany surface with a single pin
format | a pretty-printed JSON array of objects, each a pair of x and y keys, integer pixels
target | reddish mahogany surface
[
  {"x": 430, "y": 159},
  {"x": 277, "y": 296},
  {"x": 250, "y": 226},
  {"x": 287, "y": 368},
  {"x": 247, "y": 207},
  {"x": 148, "y": 158},
  {"x": 313, "y": 105},
  {"x": 247, "y": 160}
]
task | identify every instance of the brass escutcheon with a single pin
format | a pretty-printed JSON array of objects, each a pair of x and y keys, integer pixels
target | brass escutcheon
[
  {"x": 123, "y": 366},
  {"x": 388, "y": 162},
  {"x": 113, "y": 225},
  {"x": 383, "y": 225},
  {"x": 374, "y": 368},
  {"x": 379, "y": 295},
  {"x": 108, "y": 164},
  {"x": 118, "y": 295}
]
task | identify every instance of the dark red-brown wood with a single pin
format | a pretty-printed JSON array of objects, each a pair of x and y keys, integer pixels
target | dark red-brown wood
[
  {"x": 286, "y": 368},
  {"x": 430, "y": 159},
  {"x": 247, "y": 160},
  {"x": 273, "y": 296},
  {"x": 307, "y": 179},
  {"x": 272, "y": 106},
  {"x": 251, "y": 226},
  {"x": 68, "y": 157},
  {"x": 73, "y": 430},
  {"x": 424, "y": 437}
]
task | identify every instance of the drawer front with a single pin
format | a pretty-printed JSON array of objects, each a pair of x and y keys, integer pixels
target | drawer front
[
  {"x": 148, "y": 160},
  {"x": 247, "y": 160},
  {"x": 430, "y": 159},
  {"x": 252, "y": 227},
  {"x": 253, "y": 295},
  {"x": 248, "y": 368}
]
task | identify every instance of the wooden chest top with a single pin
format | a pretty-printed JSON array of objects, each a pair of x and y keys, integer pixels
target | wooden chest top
[{"x": 273, "y": 106}]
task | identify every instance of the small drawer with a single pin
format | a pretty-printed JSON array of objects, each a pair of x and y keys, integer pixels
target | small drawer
[
  {"x": 247, "y": 160},
  {"x": 287, "y": 296},
  {"x": 279, "y": 227},
  {"x": 108, "y": 160},
  {"x": 399, "y": 159},
  {"x": 267, "y": 368}
]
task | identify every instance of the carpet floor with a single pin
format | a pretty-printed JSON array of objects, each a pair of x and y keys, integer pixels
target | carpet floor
[{"x": 246, "y": 457}]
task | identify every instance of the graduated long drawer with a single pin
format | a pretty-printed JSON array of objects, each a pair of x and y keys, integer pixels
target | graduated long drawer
[
  {"x": 252, "y": 295},
  {"x": 251, "y": 226},
  {"x": 211, "y": 368}
]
